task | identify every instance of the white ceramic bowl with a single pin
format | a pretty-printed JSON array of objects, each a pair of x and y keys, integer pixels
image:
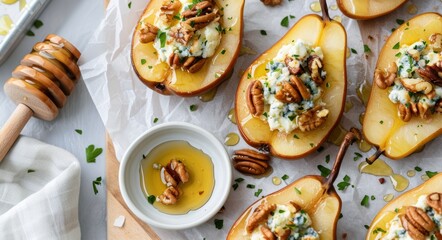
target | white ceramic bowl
[{"x": 129, "y": 175}]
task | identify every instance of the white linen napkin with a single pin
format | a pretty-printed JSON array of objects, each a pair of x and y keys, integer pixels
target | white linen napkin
[{"x": 39, "y": 190}]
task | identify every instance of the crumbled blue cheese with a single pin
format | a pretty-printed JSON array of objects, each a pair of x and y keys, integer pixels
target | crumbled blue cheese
[
  {"x": 203, "y": 43},
  {"x": 396, "y": 231},
  {"x": 283, "y": 116}
]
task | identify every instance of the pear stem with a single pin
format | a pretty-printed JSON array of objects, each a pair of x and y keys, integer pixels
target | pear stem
[
  {"x": 324, "y": 9},
  {"x": 353, "y": 135},
  {"x": 374, "y": 157}
]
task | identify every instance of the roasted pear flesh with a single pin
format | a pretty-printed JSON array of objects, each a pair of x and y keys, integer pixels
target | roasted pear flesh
[
  {"x": 180, "y": 75},
  {"x": 368, "y": 9},
  {"x": 414, "y": 213},
  {"x": 382, "y": 125},
  {"x": 330, "y": 36},
  {"x": 311, "y": 197}
]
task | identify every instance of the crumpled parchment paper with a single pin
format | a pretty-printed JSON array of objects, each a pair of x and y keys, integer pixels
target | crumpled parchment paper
[{"x": 128, "y": 108}]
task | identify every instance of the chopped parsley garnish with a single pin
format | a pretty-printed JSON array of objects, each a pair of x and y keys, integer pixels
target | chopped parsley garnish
[
  {"x": 365, "y": 200},
  {"x": 327, "y": 158},
  {"x": 398, "y": 55},
  {"x": 399, "y": 21},
  {"x": 320, "y": 149},
  {"x": 155, "y": 120},
  {"x": 129, "y": 5},
  {"x": 366, "y": 48},
  {"x": 285, "y": 21},
  {"x": 366, "y": 226},
  {"x": 381, "y": 122},
  {"x": 298, "y": 191},
  {"x": 235, "y": 186},
  {"x": 249, "y": 75},
  {"x": 31, "y": 170},
  {"x": 38, "y": 23},
  {"x": 193, "y": 107},
  {"x": 324, "y": 171},
  {"x": 151, "y": 199},
  {"x": 292, "y": 17},
  {"x": 92, "y": 153},
  {"x": 143, "y": 61},
  {"x": 238, "y": 180},
  {"x": 372, "y": 198},
  {"x": 357, "y": 156},
  {"x": 177, "y": 17},
  {"x": 251, "y": 186},
  {"x": 397, "y": 45},
  {"x": 344, "y": 184},
  {"x": 79, "y": 131},
  {"x": 295, "y": 136},
  {"x": 312, "y": 145},
  {"x": 95, "y": 183},
  {"x": 340, "y": 215},
  {"x": 263, "y": 32},
  {"x": 258, "y": 192},
  {"x": 379, "y": 230},
  {"x": 223, "y": 51},
  {"x": 285, "y": 177},
  {"x": 162, "y": 36},
  {"x": 219, "y": 223},
  {"x": 30, "y": 33},
  {"x": 418, "y": 169},
  {"x": 430, "y": 174},
  {"x": 353, "y": 51}
]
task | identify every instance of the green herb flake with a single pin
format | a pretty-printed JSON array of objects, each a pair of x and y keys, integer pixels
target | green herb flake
[
  {"x": 340, "y": 215},
  {"x": 143, "y": 61},
  {"x": 285, "y": 21},
  {"x": 263, "y": 32},
  {"x": 344, "y": 184},
  {"x": 366, "y": 226},
  {"x": 418, "y": 169},
  {"x": 155, "y": 120},
  {"x": 238, "y": 180},
  {"x": 95, "y": 183},
  {"x": 235, "y": 186},
  {"x": 223, "y": 51},
  {"x": 366, "y": 49},
  {"x": 320, "y": 149},
  {"x": 38, "y": 23},
  {"x": 79, "y": 131},
  {"x": 30, "y": 33},
  {"x": 150, "y": 67},
  {"x": 92, "y": 153},
  {"x": 396, "y": 210},
  {"x": 324, "y": 171},
  {"x": 193, "y": 107},
  {"x": 257, "y": 193},
  {"x": 357, "y": 156},
  {"x": 398, "y": 55},
  {"x": 162, "y": 36},
  {"x": 249, "y": 75},
  {"x": 312, "y": 145},
  {"x": 251, "y": 186},
  {"x": 295, "y": 136},
  {"x": 327, "y": 158},
  {"x": 430, "y": 174},
  {"x": 397, "y": 45},
  {"x": 399, "y": 21},
  {"x": 298, "y": 191},
  {"x": 379, "y": 230},
  {"x": 365, "y": 200},
  {"x": 381, "y": 122},
  {"x": 31, "y": 170},
  {"x": 353, "y": 51},
  {"x": 151, "y": 199},
  {"x": 177, "y": 17},
  {"x": 285, "y": 177},
  {"x": 219, "y": 223},
  {"x": 292, "y": 17},
  {"x": 372, "y": 198}
]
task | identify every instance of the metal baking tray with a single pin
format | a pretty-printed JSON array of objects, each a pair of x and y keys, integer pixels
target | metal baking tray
[{"x": 23, "y": 19}]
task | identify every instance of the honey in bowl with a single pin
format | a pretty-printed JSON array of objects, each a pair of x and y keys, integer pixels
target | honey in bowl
[{"x": 194, "y": 193}]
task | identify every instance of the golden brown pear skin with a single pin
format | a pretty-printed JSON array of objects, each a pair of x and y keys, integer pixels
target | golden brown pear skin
[{"x": 368, "y": 9}]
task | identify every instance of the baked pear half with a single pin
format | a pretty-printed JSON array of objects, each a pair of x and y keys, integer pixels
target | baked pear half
[
  {"x": 368, "y": 9},
  {"x": 308, "y": 208},
  {"x": 292, "y": 96},
  {"x": 415, "y": 214},
  {"x": 187, "y": 47},
  {"x": 401, "y": 116}
]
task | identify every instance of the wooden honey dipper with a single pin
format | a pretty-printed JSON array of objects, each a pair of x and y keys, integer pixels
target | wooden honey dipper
[{"x": 40, "y": 86}]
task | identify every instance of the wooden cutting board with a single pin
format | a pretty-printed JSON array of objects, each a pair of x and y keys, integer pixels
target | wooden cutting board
[{"x": 133, "y": 228}]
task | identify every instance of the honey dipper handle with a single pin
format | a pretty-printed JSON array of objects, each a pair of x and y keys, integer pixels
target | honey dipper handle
[{"x": 12, "y": 128}]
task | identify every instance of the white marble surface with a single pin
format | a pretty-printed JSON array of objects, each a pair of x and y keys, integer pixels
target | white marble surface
[{"x": 75, "y": 21}]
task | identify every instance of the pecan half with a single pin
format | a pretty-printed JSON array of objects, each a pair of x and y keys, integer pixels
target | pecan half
[
  {"x": 416, "y": 85},
  {"x": 200, "y": 8},
  {"x": 201, "y": 21},
  {"x": 412, "y": 230},
  {"x": 417, "y": 223},
  {"x": 169, "y": 196},
  {"x": 148, "y": 33},
  {"x": 312, "y": 118},
  {"x": 255, "y": 98},
  {"x": 180, "y": 169},
  {"x": 250, "y": 161},
  {"x": 436, "y": 41},
  {"x": 404, "y": 112},
  {"x": 385, "y": 79},
  {"x": 271, "y": 2},
  {"x": 288, "y": 94},
  {"x": 300, "y": 86},
  {"x": 315, "y": 66},
  {"x": 293, "y": 65},
  {"x": 434, "y": 200},
  {"x": 169, "y": 9},
  {"x": 432, "y": 73},
  {"x": 193, "y": 64},
  {"x": 259, "y": 215},
  {"x": 267, "y": 233},
  {"x": 175, "y": 61}
]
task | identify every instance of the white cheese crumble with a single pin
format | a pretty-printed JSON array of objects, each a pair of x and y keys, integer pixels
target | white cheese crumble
[{"x": 283, "y": 116}]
